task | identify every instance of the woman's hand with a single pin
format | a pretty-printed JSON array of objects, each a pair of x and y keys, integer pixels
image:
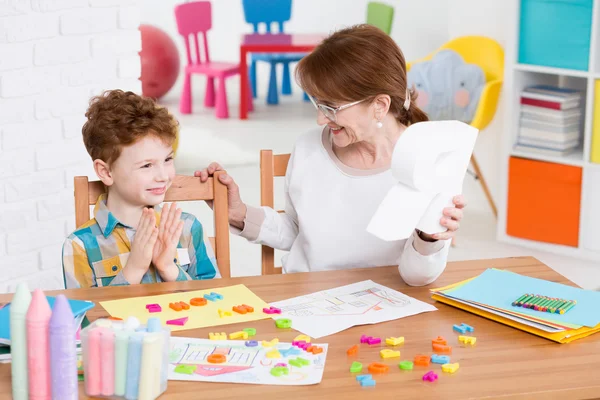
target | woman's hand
[
  {"x": 451, "y": 220},
  {"x": 237, "y": 208}
]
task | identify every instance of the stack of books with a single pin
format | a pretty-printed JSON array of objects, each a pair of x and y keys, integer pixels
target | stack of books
[{"x": 550, "y": 121}]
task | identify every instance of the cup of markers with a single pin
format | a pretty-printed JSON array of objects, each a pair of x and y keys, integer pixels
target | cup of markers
[{"x": 125, "y": 359}]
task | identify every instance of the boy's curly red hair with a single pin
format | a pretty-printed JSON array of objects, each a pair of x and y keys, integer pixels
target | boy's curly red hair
[{"x": 116, "y": 119}]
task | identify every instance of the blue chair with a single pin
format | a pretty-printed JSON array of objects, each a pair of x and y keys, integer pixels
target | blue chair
[{"x": 269, "y": 12}]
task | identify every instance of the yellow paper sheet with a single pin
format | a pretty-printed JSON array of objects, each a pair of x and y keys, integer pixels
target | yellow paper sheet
[{"x": 198, "y": 316}]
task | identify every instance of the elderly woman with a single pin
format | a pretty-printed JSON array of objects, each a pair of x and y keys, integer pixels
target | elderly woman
[{"x": 338, "y": 175}]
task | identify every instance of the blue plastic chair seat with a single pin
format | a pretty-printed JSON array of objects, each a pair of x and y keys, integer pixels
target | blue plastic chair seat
[{"x": 277, "y": 57}]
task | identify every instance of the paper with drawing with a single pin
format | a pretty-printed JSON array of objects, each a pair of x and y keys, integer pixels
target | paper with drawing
[
  {"x": 429, "y": 162},
  {"x": 331, "y": 311},
  {"x": 243, "y": 364}
]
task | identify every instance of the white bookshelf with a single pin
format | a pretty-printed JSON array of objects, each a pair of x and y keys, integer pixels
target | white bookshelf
[{"x": 518, "y": 76}]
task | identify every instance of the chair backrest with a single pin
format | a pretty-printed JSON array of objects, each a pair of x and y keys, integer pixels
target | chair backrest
[
  {"x": 183, "y": 188},
  {"x": 194, "y": 19},
  {"x": 380, "y": 15},
  {"x": 480, "y": 50},
  {"x": 267, "y": 12},
  {"x": 270, "y": 167}
]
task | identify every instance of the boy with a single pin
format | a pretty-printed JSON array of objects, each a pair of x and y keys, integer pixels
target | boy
[{"x": 130, "y": 139}]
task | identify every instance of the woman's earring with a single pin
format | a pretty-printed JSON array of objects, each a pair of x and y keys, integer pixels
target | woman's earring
[{"x": 379, "y": 124}]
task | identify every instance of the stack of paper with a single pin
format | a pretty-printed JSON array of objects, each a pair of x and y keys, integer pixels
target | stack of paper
[{"x": 492, "y": 293}]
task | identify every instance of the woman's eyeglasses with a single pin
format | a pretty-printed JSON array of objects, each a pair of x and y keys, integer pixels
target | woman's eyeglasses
[{"x": 330, "y": 112}]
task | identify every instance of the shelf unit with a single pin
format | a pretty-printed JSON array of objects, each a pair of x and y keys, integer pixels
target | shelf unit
[{"x": 518, "y": 75}]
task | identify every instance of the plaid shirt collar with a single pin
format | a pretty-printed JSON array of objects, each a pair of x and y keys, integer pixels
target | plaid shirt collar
[{"x": 107, "y": 220}]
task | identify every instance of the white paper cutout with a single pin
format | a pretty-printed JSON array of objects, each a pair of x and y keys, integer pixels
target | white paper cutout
[{"x": 429, "y": 162}]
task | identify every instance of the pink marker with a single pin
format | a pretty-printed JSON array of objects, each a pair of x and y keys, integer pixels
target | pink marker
[
  {"x": 91, "y": 371},
  {"x": 107, "y": 367},
  {"x": 38, "y": 349}
]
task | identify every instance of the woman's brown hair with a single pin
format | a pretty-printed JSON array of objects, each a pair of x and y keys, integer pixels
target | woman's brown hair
[{"x": 359, "y": 63}]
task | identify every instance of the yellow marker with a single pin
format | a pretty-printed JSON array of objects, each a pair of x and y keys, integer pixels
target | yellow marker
[
  {"x": 238, "y": 335},
  {"x": 394, "y": 341},
  {"x": 271, "y": 343},
  {"x": 450, "y": 368},
  {"x": 273, "y": 354},
  {"x": 217, "y": 336},
  {"x": 224, "y": 313},
  {"x": 306, "y": 338},
  {"x": 467, "y": 339},
  {"x": 387, "y": 353}
]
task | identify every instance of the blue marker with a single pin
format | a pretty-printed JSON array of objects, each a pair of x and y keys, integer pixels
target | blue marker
[
  {"x": 134, "y": 356},
  {"x": 154, "y": 325}
]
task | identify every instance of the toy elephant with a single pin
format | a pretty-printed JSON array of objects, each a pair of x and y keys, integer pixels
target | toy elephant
[{"x": 448, "y": 88}]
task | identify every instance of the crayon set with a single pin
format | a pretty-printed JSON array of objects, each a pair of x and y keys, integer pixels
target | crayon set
[
  {"x": 544, "y": 303},
  {"x": 123, "y": 359},
  {"x": 43, "y": 347}
]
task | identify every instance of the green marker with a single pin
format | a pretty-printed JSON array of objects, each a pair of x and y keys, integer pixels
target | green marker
[
  {"x": 553, "y": 305},
  {"x": 556, "y": 305},
  {"x": 527, "y": 302},
  {"x": 546, "y": 304},
  {"x": 519, "y": 300},
  {"x": 562, "y": 305},
  {"x": 568, "y": 307},
  {"x": 535, "y": 302},
  {"x": 524, "y": 301}
]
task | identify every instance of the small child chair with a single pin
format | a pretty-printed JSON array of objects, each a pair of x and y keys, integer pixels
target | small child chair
[
  {"x": 380, "y": 15},
  {"x": 269, "y": 12},
  {"x": 489, "y": 55},
  {"x": 193, "y": 19}
]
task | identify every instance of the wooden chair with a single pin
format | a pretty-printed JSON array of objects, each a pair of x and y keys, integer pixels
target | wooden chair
[
  {"x": 270, "y": 167},
  {"x": 184, "y": 188}
]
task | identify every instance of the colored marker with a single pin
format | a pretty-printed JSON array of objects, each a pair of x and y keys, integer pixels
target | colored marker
[
  {"x": 18, "y": 341},
  {"x": 149, "y": 387},
  {"x": 91, "y": 369},
  {"x": 536, "y": 301},
  {"x": 544, "y": 305},
  {"x": 134, "y": 355},
  {"x": 121, "y": 344},
  {"x": 63, "y": 351},
  {"x": 153, "y": 325},
  {"x": 561, "y": 304},
  {"x": 107, "y": 365},
  {"x": 132, "y": 323},
  {"x": 523, "y": 302},
  {"x": 38, "y": 352},
  {"x": 519, "y": 300},
  {"x": 554, "y": 305},
  {"x": 531, "y": 299},
  {"x": 568, "y": 307}
]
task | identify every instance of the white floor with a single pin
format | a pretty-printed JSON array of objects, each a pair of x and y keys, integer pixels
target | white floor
[{"x": 236, "y": 145}]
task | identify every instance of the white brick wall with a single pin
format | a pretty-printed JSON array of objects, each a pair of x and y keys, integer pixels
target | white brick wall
[{"x": 54, "y": 55}]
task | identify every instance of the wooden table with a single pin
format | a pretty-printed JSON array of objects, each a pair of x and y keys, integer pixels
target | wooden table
[
  {"x": 505, "y": 362},
  {"x": 270, "y": 43}
]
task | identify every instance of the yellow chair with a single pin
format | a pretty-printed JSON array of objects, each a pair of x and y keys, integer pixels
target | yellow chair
[{"x": 489, "y": 55}]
